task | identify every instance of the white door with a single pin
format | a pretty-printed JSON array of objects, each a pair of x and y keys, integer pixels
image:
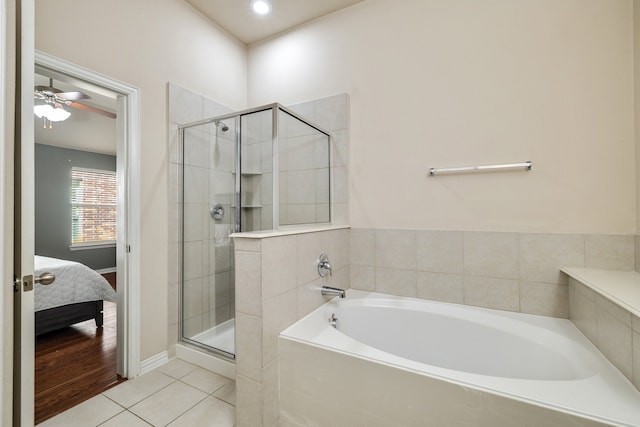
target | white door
[{"x": 23, "y": 369}]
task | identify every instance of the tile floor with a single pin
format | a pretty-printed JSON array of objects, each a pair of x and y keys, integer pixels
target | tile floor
[{"x": 176, "y": 394}]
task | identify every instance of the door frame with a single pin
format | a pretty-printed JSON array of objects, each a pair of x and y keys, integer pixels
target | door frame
[
  {"x": 128, "y": 182},
  {"x": 8, "y": 59}
]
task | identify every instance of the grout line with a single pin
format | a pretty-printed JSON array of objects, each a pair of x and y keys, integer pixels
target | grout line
[
  {"x": 187, "y": 410},
  {"x": 107, "y": 420}
]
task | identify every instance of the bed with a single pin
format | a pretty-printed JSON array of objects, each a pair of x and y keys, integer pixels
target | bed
[{"x": 76, "y": 295}]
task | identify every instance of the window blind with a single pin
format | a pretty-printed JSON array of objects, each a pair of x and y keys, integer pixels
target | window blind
[{"x": 93, "y": 206}]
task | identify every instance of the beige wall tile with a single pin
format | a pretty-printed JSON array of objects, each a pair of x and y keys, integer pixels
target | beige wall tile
[
  {"x": 279, "y": 265},
  {"x": 340, "y": 148},
  {"x": 174, "y": 183},
  {"x": 613, "y": 309},
  {"x": 582, "y": 309},
  {"x": 332, "y": 112},
  {"x": 248, "y": 402},
  {"x": 396, "y": 249},
  {"x": 340, "y": 213},
  {"x": 196, "y": 185},
  {"x": 396, "y": 282},
  {"x": 196, "y": 147},
  {"x": 637, "y": 252},
  {"x": 440, "y": 251},
  {"x": 491, "y": 254},
  {"x": 192, "y": 292},
  {"x": 614, "y": 339},
  {"x": 339, "y": 278},
  {"x": 309, "y": 246},
  {"x": 247, "y": 245},
  {"x": 542, "y": 256},
  {"x": 309, "y": 298},
  {"x": 363, "y": 246},
  {"x": 545, "y": 299},
  {"x": 610, "y": 252},
  {"x": 340, "y": 185},
  {"x": 339, "y": 248},
  {"x": 249, "y": 346},
  {"x": 635, "y": 323},
  {"x": 441, "y": 287},
  {"x": 363, "y": 277},
  {"x": 636, "y": 359},
  {"x": 278, "y": 314},
  {"x": 270, "y": 394},
  {"x": 248, "y": 285},
  {"x": 193, "y": 260},
  {"x": 491, "y": 293}
]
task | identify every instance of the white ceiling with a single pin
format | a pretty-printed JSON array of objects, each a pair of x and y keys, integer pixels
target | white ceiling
[
  {"x": 237, "y": 18},
  {"x": 83, "y": 130}
]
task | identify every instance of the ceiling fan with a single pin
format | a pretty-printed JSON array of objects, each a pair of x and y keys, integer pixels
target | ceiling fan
[{"x": 55, "y": 99}]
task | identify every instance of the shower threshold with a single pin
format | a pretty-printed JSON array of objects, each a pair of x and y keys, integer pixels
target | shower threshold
[{"x": 221, "y": 337}]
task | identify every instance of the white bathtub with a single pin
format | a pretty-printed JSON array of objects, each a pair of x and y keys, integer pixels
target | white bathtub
[{"x": 403, "y": 361}]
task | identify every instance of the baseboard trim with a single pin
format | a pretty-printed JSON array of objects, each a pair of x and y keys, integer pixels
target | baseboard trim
[
  {"x": 153, "y": 362},
  {"x": 106, "y": 270}
]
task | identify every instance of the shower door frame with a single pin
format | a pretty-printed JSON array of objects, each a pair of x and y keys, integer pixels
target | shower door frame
[{"x": 275, "y": 223}]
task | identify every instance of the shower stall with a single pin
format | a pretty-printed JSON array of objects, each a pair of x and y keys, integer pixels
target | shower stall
[{"x": 259, "y": 169}]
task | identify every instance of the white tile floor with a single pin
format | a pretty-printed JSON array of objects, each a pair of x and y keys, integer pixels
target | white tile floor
[{"x": 176, "y": 394}]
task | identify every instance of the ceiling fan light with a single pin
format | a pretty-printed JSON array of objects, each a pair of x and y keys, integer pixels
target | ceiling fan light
[
  {"x": 59, "y": 114},
  {"x": 42, "y": 110},
  {"x": 261, "y": 7}
]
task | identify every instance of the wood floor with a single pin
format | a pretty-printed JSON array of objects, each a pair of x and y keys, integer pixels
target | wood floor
[{"x": 74, "y": 364}]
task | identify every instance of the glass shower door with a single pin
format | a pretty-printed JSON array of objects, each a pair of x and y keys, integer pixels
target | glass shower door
[{"x": 208, "y": 218}]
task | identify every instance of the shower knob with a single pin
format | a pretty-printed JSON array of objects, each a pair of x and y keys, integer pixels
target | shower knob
[{"x": 216, "y": 212}]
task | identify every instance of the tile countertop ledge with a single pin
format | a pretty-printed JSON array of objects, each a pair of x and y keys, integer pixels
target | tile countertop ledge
[
  {"x": 288, "y": 230},
  {"x": 620, "y": 287}
]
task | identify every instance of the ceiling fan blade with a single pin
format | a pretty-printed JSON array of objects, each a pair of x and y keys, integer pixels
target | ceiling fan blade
[
  {"x": 93, "y": 110},
  {"x": 72, "y": 96},
  {"x": 47, "y": 89}
]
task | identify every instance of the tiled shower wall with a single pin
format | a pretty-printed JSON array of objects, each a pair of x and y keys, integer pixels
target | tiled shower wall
[
  {"x": 501, "y": 270},
  {"x": 331, "y": 114},
  {"x": 209, "y": 295},
  {"x": 304, "y": 173}
]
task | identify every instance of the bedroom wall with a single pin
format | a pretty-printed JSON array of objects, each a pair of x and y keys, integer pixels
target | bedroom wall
[
  {"x": 147, "y": 43},
  {"x": 53, "y": 209}
]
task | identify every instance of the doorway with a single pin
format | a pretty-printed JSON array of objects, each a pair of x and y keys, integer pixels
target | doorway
[
  {"x": 75, "y": 239},
  {"x": 116, "y": 103}
]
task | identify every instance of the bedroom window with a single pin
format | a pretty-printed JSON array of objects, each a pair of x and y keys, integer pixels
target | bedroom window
[{"x": 93, "y": 208}]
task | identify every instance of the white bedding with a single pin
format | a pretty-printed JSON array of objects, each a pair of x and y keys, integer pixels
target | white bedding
[{"x": 74, "y": 283}]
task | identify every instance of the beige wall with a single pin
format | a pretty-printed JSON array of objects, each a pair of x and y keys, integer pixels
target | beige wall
[
  {"x": 147, "y": 43},
  {"x": 437, "y": 83}
]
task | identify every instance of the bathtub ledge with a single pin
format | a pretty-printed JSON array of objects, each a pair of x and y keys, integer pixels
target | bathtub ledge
[
  {"x": 620, "y": 287},
  {"x": 287, "y": 231}
]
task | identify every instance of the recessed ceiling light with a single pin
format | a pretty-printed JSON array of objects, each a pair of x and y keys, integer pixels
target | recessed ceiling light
[{"x": 261, "y": 7}]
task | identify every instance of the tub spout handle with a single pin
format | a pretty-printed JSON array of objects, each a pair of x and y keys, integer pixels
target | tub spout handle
[
  {"x": 333, "y": 292},
  {"x": 324, "y": 267}
]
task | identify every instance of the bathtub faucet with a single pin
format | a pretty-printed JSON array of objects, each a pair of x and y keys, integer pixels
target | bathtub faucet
[
  {"x": 333, "y": 292},
  {"x": 324, "y": 267}
]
